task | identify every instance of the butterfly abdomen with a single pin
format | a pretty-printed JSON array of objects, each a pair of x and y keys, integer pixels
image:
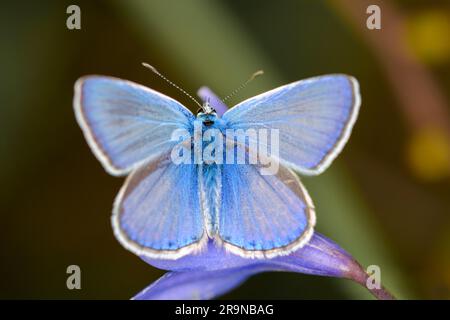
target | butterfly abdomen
[{"x": 210, "y": 188}]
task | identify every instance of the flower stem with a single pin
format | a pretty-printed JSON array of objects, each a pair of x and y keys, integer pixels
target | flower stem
[{"x": 359, "y": 275}]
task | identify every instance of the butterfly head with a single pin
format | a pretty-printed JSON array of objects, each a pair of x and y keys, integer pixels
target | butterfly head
[{"x": 207, "y": 114}]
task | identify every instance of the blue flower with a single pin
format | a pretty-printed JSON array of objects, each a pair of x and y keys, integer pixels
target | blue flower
[{"x": 214, "y": 271}]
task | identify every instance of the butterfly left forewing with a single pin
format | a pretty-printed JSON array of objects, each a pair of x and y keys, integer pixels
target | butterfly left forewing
[{"x": 124, "y": 123}]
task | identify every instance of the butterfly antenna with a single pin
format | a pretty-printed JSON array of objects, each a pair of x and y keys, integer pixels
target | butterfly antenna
[
  {"x": 153, "y": 69},
  {"x": 242, "y": 86}
]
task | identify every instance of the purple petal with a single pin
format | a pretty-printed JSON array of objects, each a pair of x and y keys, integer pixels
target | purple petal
[
  {"x": 320, "y": 256},
  {"x": 195, "y": 285},
  {"x": 206, "y": 94},
  {"x": 217, "y": 271}
]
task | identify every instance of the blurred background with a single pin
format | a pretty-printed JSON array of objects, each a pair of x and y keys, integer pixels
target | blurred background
[{"x": 386, "y": 199}]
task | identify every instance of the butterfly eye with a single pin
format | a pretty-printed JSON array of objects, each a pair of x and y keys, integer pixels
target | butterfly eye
[{"x": 208, "y": 123}]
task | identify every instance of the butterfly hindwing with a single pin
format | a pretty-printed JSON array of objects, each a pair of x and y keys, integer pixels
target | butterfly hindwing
[
  {"x": 157, "y": 212},
  {"x": 314, "y": 118},
  {"x": 263, "y": 216}
]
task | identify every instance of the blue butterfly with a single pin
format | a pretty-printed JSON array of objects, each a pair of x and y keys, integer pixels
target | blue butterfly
[{"x": 167, "y": 210}]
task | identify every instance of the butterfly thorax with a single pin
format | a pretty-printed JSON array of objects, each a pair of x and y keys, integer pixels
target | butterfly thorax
[{"x": 209, "y": 134}]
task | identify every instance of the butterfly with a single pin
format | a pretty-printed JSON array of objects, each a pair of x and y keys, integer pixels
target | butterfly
[{"x": 166, "y": 210}]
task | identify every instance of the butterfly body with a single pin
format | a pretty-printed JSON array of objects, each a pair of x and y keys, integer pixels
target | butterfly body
[
  {"x": 183, "y": 190},
  {"x": 209, "y": 171}
]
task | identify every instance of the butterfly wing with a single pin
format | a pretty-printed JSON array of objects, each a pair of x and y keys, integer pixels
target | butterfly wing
[
  {"x": 125, "y": 123},
  {"x": 157, "y": 212},
  {"x": 314, "y": 118},
  {"x": 263, "y": 216}
]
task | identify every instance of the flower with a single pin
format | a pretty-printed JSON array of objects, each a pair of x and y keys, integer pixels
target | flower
[{"x": 215, "y": 271}]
